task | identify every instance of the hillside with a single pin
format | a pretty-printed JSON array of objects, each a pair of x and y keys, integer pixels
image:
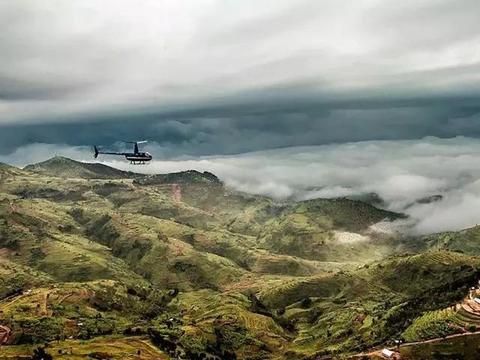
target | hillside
[
  {"x": 60, "y": 166},
  {"x": 64, "y": 167},
  {"x": 180, "y": 266},
  {"x": 183, "y": 177},
  {"x": 466, "y": 241},
  {"x": 7, "y": 170}
]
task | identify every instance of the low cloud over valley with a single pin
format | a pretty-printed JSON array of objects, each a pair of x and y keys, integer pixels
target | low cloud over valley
[{"x": 435, "y": 181}]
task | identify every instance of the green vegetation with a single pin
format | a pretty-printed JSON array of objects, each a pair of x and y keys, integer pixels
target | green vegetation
[
  {"x": 462, "y": 347},
  {"x": 100, "y": 263},
  {"x": 432, "y": 324},
  {"x": 466, "y": 241},
  {"x": 67, "y": 168}
]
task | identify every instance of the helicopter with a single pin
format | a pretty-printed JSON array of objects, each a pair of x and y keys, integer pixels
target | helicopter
[{"x": 136, "y": 157}]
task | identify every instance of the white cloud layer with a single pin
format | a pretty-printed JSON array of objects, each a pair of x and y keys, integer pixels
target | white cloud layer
[
  {"x": 69, "y": 57},
  {"x": 401, "y": 172}
]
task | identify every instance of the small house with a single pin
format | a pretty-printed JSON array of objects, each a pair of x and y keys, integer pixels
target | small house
[{"x": 388, "y": 354}]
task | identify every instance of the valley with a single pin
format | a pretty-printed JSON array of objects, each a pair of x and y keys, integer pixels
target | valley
[{"x": 106, "y": 264}]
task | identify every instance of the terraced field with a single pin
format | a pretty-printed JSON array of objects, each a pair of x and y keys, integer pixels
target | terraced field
[
  {"x": 100, "y": 262},
  {"x": 128, "y": 348}
]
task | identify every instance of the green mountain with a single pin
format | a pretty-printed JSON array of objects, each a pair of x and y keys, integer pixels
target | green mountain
[
  {"x": 101, "y": 263},
  {"x": 466, "y": 241},
  {"x": 183, "y": 177},
  {"x": 64, "y": 167}
]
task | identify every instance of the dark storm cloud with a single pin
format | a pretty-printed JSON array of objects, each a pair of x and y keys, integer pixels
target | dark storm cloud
[
  {"x": 219, "y": 77},
  {"x": 265, "y": 123}
]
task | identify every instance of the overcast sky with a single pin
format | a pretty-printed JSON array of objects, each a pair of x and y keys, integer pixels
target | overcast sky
[{"x": 225, "y": 76}]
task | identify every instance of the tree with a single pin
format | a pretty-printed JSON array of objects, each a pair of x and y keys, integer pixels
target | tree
[
  {"x": 41, "y": 354},
  {"x": 306, "y": 302}
]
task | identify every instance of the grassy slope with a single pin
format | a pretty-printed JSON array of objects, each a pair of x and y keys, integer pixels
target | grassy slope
[
  {"x": 115, "y": 348},
  {"x": 346, "y": 311},
  {"x": 255, "y": 277},
  {"x": 466, "y": 241},
  {"x": 68, "y": 168}
]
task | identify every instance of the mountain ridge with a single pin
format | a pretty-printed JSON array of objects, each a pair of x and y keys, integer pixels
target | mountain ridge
[
  {"x": 208, "y": 271},
  {"x": 65, "y": 167}
]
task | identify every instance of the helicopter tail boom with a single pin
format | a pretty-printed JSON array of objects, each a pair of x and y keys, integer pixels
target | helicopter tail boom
[{"x": 96, "y": 152}]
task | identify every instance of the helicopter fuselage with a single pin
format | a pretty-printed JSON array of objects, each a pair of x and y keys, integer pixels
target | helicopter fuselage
[
  {"x": 135, "y": 157},
  {"x": 139, "y": 157}
]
